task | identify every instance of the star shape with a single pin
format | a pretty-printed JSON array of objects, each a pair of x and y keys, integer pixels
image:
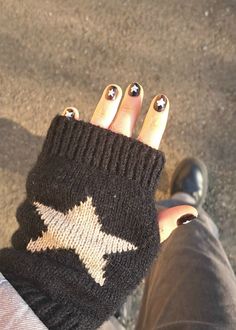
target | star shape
[
  {"x": 161, "y": 102},
  {"x": 79, "y": 229},
  {"x": 69, "y": 114},
  {"x": 111, "y": 92},
  {"x": 134, "y": 88}
]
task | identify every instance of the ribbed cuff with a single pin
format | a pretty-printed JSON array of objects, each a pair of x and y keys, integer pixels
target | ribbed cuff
[{"x": 103, "y": 149}]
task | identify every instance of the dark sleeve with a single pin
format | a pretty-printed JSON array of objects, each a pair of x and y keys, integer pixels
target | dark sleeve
[{"x": 87, "y": 229}]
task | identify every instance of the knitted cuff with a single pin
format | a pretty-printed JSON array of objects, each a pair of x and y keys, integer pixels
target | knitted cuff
[
  {"x": 105, "y": 150},
  {"x": 87, "y": 229}
]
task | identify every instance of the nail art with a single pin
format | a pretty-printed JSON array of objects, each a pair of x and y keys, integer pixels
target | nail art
[
  {"x": 111, "y": 93},
  {"x": 70, "y": 113},
  {"x": 134, "y": 89},
  {"x": 160, "y": 103},
  {"x": 185, "y": 219}
]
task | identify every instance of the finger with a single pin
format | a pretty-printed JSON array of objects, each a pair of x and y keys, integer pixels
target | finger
[
  {"x": 71, "y": 113},
  {"x": 171, "y": 218},
  {"x": 107, "y": 106},
  {"x": 129, "y": 110},
  {"x": 155, "y": 122}
]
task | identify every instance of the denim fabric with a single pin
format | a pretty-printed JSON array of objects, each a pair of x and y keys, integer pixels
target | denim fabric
[
  {"x": 15, "y": 314},
  {"x": 191, "y": 285}
]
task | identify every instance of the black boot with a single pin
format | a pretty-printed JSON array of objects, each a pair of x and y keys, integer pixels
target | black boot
[{"x": 191, "y": 177}]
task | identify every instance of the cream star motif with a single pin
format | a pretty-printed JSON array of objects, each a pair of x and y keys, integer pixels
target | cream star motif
[
  {"x": 69, "y": 113},
  {"x": 111, "y": 92},
  {"x": 79, "y": 229},
  {"x": 161, "y": 102},
  {"x": 134, "y": 88}
]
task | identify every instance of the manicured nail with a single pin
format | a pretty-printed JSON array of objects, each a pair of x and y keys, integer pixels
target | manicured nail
[
  {"x": 71, "y": 113},
  {"x": 185, "y": 219},
  {"x": 111, "y": 93},
  {"x": 134, "y": 89},
  {"x": 160, "y": 103}
]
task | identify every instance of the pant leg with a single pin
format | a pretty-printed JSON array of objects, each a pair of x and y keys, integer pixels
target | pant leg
[
  {"x": 185, "y": 199},
  {"x": 191, "y": 285}
]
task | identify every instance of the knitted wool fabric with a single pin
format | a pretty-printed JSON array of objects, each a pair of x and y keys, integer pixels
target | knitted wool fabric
[{"x": 87, "y": 229}]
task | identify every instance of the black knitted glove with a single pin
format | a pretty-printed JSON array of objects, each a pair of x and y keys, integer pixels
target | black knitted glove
[{"x": 88, "y": 229}]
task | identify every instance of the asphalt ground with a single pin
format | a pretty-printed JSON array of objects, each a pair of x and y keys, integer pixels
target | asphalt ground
[{"x": 59, "y": 53}]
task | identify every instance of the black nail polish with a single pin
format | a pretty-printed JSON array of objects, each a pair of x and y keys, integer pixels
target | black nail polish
[
  {"x": 69, "y": 114},
  {"x": 185, "y": 219},
  {"x": 160, "y": 103},
  {"x": 134, "y": 89},
  {"x": 111, "y": 93}
]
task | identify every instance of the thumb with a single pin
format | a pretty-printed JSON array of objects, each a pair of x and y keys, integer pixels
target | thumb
[{"x": 170, "y": 218}]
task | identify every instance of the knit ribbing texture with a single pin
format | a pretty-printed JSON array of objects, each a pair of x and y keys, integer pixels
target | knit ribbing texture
[{"x": 87, "y": 229}]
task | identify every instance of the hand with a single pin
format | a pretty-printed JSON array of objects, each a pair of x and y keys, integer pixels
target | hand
[
  {"x": 88, "y": 223},
  {"x": 120, "y": 116}
]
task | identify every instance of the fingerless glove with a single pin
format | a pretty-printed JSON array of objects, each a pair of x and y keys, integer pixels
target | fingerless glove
[{"x": 87, "y": 228}]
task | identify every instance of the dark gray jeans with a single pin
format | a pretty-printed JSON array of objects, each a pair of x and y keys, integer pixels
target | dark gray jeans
[{"x": 191, "y": 285}]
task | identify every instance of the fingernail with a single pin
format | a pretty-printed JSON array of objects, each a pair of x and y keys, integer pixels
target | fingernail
[
  {"x": 185, "y": 219},
  {"x": 134, "y": 89},
  {"x": 71, "y": 113},
  {"x": 160, "y": 103},
  {"x": 111, "y": 93}
]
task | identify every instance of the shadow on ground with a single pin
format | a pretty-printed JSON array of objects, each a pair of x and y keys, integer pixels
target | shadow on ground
[{"x": 18, "y": 147}]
